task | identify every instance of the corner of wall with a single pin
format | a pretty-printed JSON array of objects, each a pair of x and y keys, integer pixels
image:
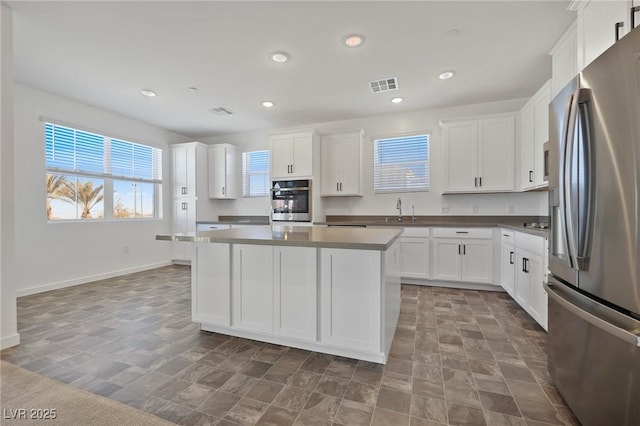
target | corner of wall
[{"x": 8, "y": 321}]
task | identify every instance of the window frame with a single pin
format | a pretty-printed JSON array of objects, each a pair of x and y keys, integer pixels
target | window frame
[
  {"x": 246, "y": 174},
  {"x": 108, "y": 178},
  {"x": 427, "y": 162}
]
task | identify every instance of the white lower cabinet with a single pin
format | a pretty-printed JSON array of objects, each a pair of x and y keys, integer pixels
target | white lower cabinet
[
  {"x": 537, "y": 296},
  {"x": 349, "y": 275},
  {"x": 211, "y": 284},
  {"x": 184, "y": 220},
  {"x": 523, "y": 273},
  {"x": 446, "y": 259},
  {"x": 295, "y": 292},
  {"x": 508, "y": 266},
  {"x": 414, "y": 249},
  {"x": 252, "y": 284},
  {"x": 285, "y": 275},
  {"x": 468, "y": 259}
]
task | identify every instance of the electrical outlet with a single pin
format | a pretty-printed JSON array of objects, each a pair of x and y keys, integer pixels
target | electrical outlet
[
  {"x": 474, "y": 208},
  {"x": 445, "y": 210},
  {"x": 510, "y": 209}
]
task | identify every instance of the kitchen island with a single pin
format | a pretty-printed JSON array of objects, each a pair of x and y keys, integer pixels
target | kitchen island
[{"x": 331, "y": 290}]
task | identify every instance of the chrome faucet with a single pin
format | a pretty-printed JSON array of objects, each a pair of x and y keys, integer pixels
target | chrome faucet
[{"x": 399, "y": 207}]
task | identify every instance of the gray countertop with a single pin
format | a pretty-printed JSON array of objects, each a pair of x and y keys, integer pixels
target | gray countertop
[
  {"x": 302, "y": 236},
  {"x": 515, "y": 223}
]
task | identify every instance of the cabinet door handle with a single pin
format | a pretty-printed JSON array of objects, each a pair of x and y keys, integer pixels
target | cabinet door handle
[
  {"x": 340, "y": 186},
  {"x": 475, "y": 181},
  {"x": 480, "y": 181},
  {"x": 223, "y": 190},
  {"x": 459, "y": 249},
  {"x": 634, "y": 10},
  {"x": 462, "y": 232},
  {"x": 464, "y": 249},
  {"x": 525, "y": 265},
  {"x": 292, "y": 168},
  {"x": 510, "y": 258},
  {"x": 617, "y": 29},
  {"x": 184, "y": 206},
  {"x": 530, "y": 175}
]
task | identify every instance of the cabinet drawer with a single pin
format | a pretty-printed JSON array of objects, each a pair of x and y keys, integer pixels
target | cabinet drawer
[
  {"x": 211, "y": 226},
  {"x": 531, "y": 243},
  {"x": 463, "y": 233},
  {"x": 416, "y": 232},
  {"x": 507, "y": 237}
]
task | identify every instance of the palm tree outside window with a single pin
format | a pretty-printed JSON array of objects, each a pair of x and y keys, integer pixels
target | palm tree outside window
[{"x": 90, "y": 176}]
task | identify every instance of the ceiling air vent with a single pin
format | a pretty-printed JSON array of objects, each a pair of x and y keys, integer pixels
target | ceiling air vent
[
  {"x": 384, "y": 85},
  {"x": 221, "y": 111}
]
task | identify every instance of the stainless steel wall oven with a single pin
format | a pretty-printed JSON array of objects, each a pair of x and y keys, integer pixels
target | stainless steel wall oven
[{"x": 291, "y": 200}]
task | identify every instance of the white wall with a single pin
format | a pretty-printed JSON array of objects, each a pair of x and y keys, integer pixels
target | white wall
[
  {"x": 53, "y": 255},
  {"x": 426, "y": 203},
  {"x": 8, "y": 319}
]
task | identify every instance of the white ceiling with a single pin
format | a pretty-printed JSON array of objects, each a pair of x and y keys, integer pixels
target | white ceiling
[{"x": 104, "y": 53}]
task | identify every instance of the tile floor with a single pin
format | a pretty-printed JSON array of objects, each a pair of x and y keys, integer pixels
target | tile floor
[{"x": 459, "y": 357}]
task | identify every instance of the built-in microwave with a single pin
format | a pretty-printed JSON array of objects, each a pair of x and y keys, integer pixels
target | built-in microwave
[
  {"x": 545, "y": 162},
  {"x": 291, "y": 200}
]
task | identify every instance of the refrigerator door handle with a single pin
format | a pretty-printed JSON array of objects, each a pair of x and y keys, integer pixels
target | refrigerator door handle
[
  {"x": 567, "y": 175},
  {"x": 585, "y": 197},
  {"x": 605, "y": 326}
]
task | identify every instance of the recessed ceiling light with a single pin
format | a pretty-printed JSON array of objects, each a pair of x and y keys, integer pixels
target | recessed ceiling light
[
  {"x": 353, "y": 40},
  {"x": 268, "y": 104},
  {"x": 453, "y": 33},
  {"x": 279, "y": 57},
  {"x": 446, "y": 75},
  {"x": 397, "y": 100},
  {"x": 148, "y": 93}
]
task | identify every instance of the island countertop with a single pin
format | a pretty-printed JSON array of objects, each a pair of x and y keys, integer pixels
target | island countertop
[{"x": 302, "y": 236}]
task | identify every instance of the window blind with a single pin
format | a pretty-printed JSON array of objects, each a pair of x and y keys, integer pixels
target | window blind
[
  {"x": 76, "y": 151},
  {"x": 255, "y": 173},
  {"x": 401, "y": 164},
  {"x": 85, "y": 168}
]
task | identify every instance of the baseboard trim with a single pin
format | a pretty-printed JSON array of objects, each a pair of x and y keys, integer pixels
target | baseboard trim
[
  {"x": 89, "y": 278},
  {"x": 9, "y": 341},
  {"x": 453, "y": 284}
]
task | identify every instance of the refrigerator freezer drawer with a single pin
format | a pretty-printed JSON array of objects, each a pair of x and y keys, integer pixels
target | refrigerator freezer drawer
[{"x": 594, "y": 364}]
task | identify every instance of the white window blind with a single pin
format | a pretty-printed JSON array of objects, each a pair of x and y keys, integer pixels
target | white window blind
[
  {"x": 255, "y": 173},
  {"x": 79, "y": 163},
  {"x": 401, "y": 164}
]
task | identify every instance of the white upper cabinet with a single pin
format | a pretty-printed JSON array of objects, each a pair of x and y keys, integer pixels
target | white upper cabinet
[
  {"x": 461, "y": 146},
  {"x": 184, "y": 169},
  {"x": 597, "y": 21},
  {"x": 224, "y": 176},
  {"x": 480, "y": 154},
  {"x": 564, "y": 60},
  {"x": 341, "y": 164},
  {"x": 534, "y": 132},
  {"x": 292, "y": 154}
]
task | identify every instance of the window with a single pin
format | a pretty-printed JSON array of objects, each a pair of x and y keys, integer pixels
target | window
[
  {"x": 255, "y": 173},
  {"x": 90, "y": 176},
  {"x": 401, "y": 164}
]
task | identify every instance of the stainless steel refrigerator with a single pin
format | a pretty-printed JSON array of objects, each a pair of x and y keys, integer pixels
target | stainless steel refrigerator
[{"x": 594, "y": 242}]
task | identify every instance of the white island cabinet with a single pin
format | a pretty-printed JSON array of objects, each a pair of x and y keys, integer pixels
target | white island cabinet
[{"x": 330, "y": 290}]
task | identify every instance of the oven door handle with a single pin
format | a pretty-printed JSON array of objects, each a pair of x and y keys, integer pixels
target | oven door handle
[{"x": 306, "y": 188}]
